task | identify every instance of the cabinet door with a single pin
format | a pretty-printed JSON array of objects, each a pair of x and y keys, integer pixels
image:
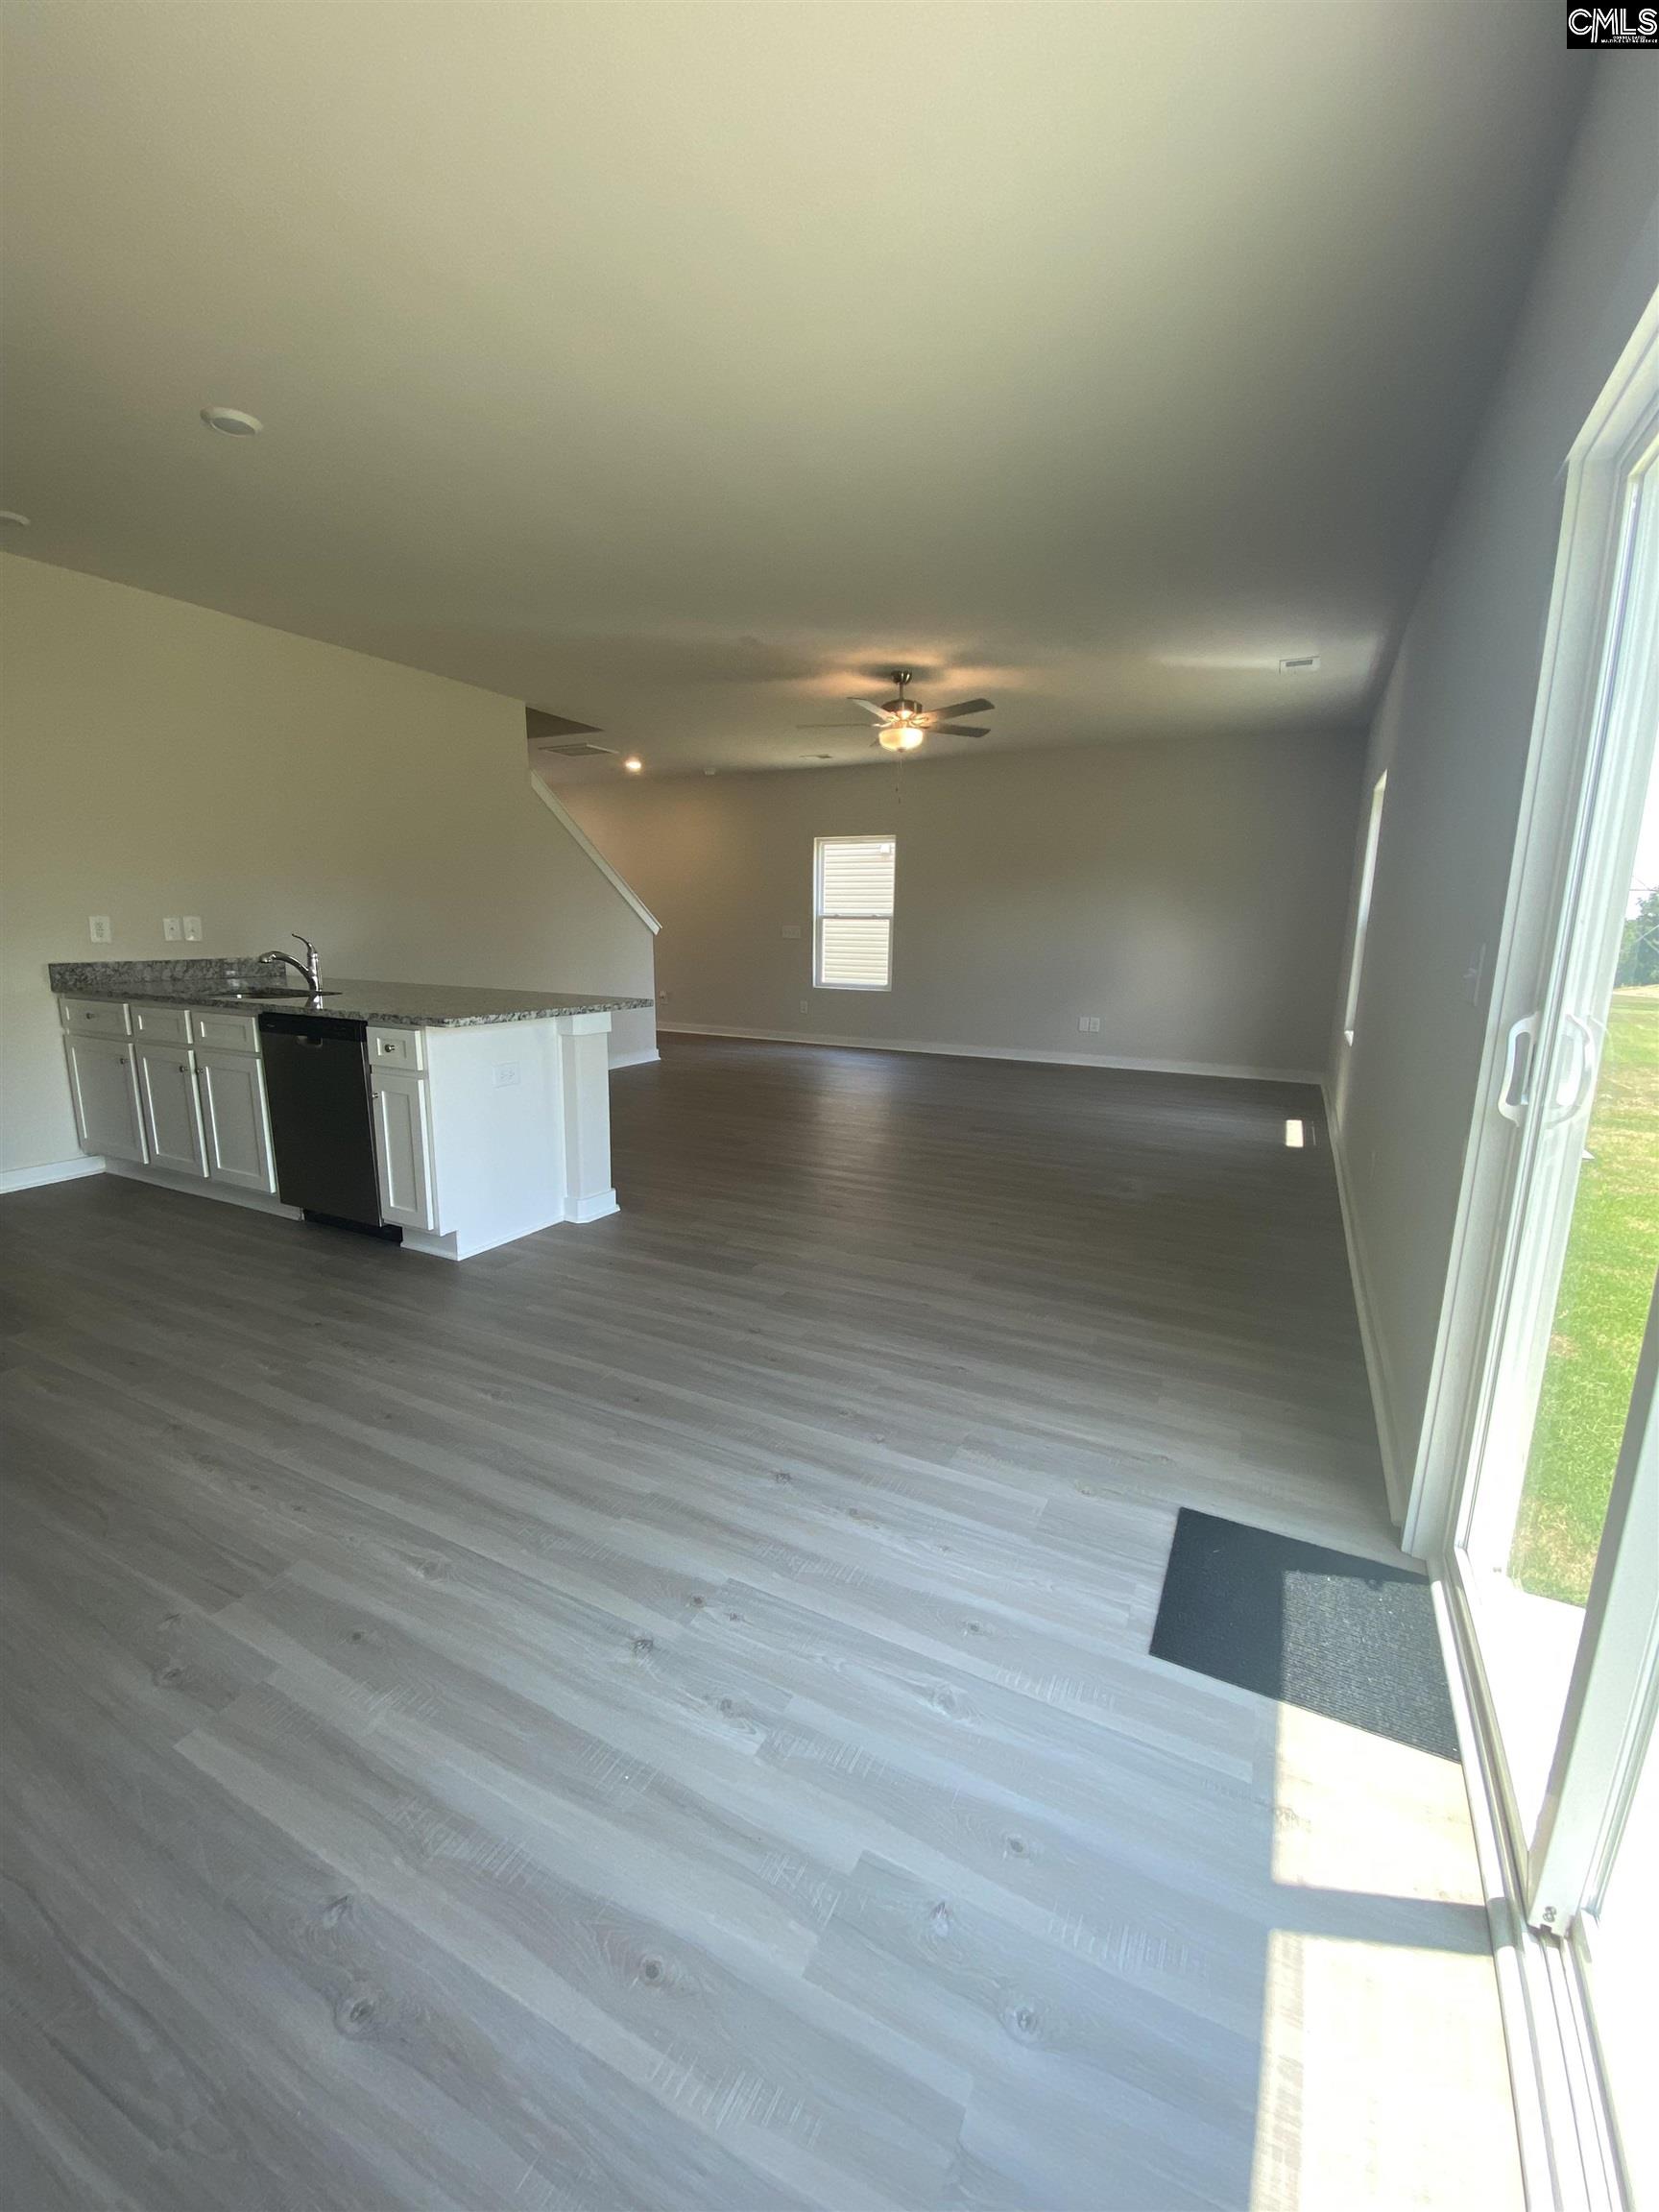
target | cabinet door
[
  {"x": 237, "y": 1127},
  {"x": 96, "y": 1018},
  {"x": 105, "y": 1092},
  {"x": 404, "y": 1149},
  {"x": 172, "y": 1109}
]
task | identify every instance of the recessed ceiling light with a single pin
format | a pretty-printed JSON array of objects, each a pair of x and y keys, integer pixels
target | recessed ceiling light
[
  {"x": 232, "y": 421},
  {"x": 633, "y": 763},
  {"x": 12, "y": 519}
]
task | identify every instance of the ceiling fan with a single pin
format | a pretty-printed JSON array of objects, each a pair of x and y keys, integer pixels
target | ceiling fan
[{"x": 902, "y": 723}]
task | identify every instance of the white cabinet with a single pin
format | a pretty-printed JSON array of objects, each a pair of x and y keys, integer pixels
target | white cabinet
[
  {"x": 105, "y": 1088},
  {"x": 160, "y": 1024},
  {"x": 234, "y": 1122},
  {"x": 482, "y": 1133},
  {"x": 403, "y": 1148},
  {"x": 95, "y": 1017},
  {"x": 223, "y": 1032},
  {"x": 172, "y": 1109},
  {"x": 398, "y": 1048}
]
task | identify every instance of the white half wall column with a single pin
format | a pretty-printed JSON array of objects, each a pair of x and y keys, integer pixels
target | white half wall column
[{"x": 584, "y": 1082}]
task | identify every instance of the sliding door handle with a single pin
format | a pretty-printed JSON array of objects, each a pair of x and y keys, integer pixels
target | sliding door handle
[
  {"x": 1587, "y": 1050},
  {"x": 1513, "y": 1096}
]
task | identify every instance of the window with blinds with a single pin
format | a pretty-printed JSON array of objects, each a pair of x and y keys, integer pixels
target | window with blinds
[{"x": 853, "y": 910}]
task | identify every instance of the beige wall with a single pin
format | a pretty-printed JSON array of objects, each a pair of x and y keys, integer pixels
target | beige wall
[
  {"x": 159, "y": 758},
  {"x": 1190, "y": 893},
  {"x": 1453, "y": 733}
]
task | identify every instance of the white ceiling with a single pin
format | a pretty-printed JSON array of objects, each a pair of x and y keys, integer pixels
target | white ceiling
[{"x": 678, "y": 367}]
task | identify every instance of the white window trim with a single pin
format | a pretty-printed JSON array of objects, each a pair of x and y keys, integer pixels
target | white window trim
[
  {"x": 1362, "y": 908},
  {"x": 820, "y": 917}
]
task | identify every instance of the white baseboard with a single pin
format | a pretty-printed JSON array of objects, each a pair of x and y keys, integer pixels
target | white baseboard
[
  {"x": 636, "y": 1058},
  {"x": 430, "y": 1244},
  {"x": 996, "y": 1052},
  {"x": 198, "y": 1186},
  {"x": 1377, "y": 1368},
  {"x": 594, "y": 1206},
  {"x": 53, "y": 1171}
]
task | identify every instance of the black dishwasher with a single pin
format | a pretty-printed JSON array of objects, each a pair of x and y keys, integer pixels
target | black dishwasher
[{"x": 317, "y": 1084}]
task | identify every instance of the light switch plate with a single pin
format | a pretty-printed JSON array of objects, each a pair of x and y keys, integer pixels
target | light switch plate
[
  {"x": 97, "y": 928},
  {"x": 172, "y": 929},
  {"x": 192, "y": 929}
]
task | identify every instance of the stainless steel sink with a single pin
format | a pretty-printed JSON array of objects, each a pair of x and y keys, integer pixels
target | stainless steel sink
[{"x": 260, "y": 997}]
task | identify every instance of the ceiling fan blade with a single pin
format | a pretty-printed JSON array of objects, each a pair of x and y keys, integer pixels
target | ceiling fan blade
[
  {"x": 870, "y": 708},
  {"x": 967, "y": 706},
  {"x": 961, "y": 730},
  {"x": 831, "y": 725}
]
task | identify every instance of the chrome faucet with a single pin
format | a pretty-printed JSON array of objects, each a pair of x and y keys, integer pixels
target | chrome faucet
[{"x": 311, "y": 968}]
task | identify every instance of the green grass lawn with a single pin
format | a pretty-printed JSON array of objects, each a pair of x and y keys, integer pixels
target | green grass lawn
[{"x": 1599, "y": 1316}]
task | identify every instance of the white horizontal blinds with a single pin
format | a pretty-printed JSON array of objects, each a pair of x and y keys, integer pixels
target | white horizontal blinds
[
  {"x": 855, "y": 875},
  {"x": 855, "y": 956},
  {"x": 854, "y": 880}
]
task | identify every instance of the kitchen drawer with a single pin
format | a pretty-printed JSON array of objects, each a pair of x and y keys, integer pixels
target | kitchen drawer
[
  {"x": 96, "y": 1017},
  {"x": 225, "y": 1032},
  {"x": 404, "y": 1049},
  {"x": 161, "y": 1025}
]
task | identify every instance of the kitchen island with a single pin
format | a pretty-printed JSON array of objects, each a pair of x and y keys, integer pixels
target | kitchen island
[{"x": 488, "y": 1109}]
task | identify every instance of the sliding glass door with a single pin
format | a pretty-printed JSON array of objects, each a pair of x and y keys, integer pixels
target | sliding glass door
[
  {"x": 1544, "y": 1438},
  {"x": 1582, "y": 1081}
]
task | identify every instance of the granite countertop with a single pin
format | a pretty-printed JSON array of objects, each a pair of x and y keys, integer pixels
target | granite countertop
[{"x": 398, "y": 1005}]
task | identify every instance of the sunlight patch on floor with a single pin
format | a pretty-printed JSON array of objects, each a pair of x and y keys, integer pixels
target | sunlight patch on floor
[
  {"x": 1374, "y": 2090},
  {"x": 1355, "y": 1811},
  {"x": 1385, "y": 2080}
]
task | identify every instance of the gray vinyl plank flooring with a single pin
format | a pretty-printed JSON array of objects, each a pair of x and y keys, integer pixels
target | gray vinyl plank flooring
[{"x": 659, "y": 1717}]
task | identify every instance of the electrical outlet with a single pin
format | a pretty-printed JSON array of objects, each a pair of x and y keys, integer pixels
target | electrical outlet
[
  {"x": 192, "y": 929},
  {"x": 97, "y": 928},
  {"x": 172, "y": 929},
  {"x": 805, "y": 1005}
]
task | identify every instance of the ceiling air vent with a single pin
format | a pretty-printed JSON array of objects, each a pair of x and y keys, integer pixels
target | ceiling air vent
[
  {"x": 578, "y": 750},
  {"x": 551, "y": 731},
  {"x": 1304, "y": 664}
]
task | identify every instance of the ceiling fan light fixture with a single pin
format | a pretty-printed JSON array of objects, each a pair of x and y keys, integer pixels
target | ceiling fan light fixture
[{"x": 902, "y": 723}]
